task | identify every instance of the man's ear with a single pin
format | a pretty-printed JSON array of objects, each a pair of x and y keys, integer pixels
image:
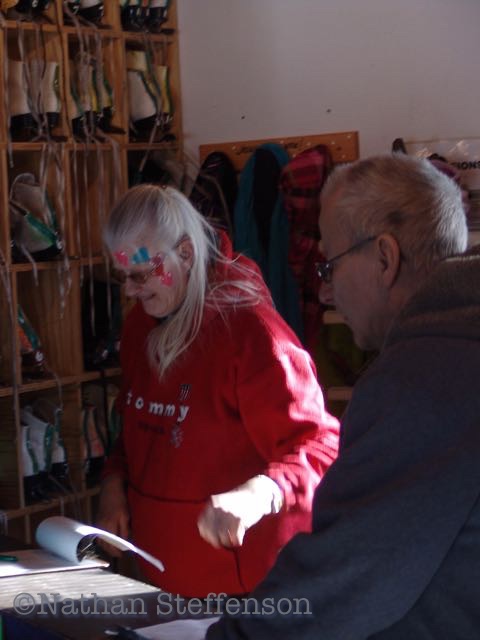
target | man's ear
[
  {"x": 185, "y": 253},
  {"x": 389, "y": 258}
]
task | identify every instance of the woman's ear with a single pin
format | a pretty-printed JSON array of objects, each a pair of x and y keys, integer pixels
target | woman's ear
[{"x": 185, "y": 253}]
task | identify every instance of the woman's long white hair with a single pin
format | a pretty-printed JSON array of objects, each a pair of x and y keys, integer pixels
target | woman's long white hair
[{"x": 166, "y": 217}]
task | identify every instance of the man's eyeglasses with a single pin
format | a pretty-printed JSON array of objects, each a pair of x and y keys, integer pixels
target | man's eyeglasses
[{"x": 325, "y": 268}]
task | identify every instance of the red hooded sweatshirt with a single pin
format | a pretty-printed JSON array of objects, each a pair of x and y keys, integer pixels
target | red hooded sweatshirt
[{"x": 242, "y": 400}]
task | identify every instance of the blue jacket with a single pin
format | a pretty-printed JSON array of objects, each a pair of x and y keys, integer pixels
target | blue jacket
[{"x": 274, "y": 261}]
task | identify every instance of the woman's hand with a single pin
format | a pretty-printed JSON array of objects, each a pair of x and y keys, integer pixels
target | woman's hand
[
  {"x": 113, "y": 512},
  {"x": 227, "y": 516}
]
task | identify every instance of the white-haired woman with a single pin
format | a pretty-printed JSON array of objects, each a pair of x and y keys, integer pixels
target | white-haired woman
[{"x": 225, "y": 435}]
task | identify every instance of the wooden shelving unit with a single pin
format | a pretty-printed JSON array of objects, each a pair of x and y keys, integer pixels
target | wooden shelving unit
[{"x": 83, "y": 179}]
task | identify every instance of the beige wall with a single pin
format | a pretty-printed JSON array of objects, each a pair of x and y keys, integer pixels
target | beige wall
[{"x": 388, "y": 68}]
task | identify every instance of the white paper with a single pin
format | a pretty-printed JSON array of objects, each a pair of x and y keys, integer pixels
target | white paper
[
  {"x": 59, "y": 539},
  {"x": 62, "y": 536},
  {"x": 178, "y": 629},
  {"x": 40, "y": 561}
]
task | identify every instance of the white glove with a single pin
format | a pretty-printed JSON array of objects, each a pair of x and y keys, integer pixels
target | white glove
[{"x": 227, "y": 516}]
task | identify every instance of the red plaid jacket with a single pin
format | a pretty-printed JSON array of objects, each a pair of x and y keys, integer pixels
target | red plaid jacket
[{"x": 301, "y": 182}]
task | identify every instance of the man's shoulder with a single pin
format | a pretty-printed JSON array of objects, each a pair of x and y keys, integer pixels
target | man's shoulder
[{"x": 424, "y": 380}]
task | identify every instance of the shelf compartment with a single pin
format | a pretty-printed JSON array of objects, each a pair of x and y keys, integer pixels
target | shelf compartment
[
  {"x": 96, "y": 178},
  {"x": 8, "y": 328},
  {"x": 106, "y": 99},
  {"x": 55, "y": 317},
  {"x": 10, "y": 488},
  {"x": 152, "y": 63},
  {"x": 41, "y": 53},
  {"x": 69, "y": 400},
  {"x": 109, "y": 23},
  {"x": 47, "y": 165}
]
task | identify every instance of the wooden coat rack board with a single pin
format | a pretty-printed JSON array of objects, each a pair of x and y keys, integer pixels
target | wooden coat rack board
[{"x": 343, "y": 147}]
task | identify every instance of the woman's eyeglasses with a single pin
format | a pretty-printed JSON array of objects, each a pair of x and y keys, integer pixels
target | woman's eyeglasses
[
  {"x": 137, "y": 277},
  {"x": 141, "y": 277}
]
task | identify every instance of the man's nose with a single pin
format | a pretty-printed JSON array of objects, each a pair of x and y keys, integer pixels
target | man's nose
[{"x": 325, "y": 295}]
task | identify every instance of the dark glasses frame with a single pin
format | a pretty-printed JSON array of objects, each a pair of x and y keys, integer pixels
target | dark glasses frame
[
  {"x": 137, "y": 277},
  {"x": 325, "y": 268}
]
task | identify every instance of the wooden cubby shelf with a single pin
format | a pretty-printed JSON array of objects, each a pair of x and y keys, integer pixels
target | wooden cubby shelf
[
  {"x": 82, "y": 173},
  {"x": 51, "y": 503}
]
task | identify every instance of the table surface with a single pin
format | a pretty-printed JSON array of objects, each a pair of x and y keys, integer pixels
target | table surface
[{"x": 78, "y": 604}]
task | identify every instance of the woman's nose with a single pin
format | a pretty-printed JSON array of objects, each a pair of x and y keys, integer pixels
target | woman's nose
[{"x": 130, "y": 288}]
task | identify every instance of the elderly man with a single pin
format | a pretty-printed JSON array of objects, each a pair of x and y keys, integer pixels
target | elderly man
[{"x": 395, "y": 548}]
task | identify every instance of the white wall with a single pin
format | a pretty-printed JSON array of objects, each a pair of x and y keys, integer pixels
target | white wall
[{"x": 387, "y": 68}]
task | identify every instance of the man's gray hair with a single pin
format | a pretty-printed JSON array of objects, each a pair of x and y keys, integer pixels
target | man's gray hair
[{"x": 405, "y": 196}]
